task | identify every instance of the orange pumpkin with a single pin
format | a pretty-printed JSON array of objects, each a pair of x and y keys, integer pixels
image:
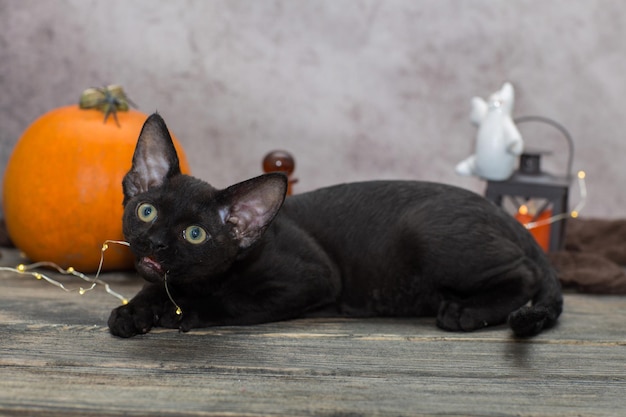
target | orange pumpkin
[{"x": 62, "y": 186}]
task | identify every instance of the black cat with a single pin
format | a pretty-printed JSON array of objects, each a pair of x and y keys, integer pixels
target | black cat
[{"x": 383, "y": 248}]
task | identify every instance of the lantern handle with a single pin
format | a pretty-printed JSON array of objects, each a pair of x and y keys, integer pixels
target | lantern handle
[{"x": 560, "y": 128}]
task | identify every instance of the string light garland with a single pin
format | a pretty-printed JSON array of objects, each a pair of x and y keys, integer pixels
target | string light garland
[
  {"x": 29, "y": 269},
  {"x": 573, "y": 214},
  {"x": 179, "y": 311}
]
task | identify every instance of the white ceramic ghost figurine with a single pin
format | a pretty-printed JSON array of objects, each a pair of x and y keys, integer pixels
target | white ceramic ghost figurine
[{"x": 498, "y": 142}]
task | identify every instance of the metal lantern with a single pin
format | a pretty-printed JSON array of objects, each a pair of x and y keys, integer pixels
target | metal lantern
[{"x": 529, "y": 182}]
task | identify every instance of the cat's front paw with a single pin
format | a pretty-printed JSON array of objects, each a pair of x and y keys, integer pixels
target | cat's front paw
[
  {"x": 129, "y": 320},
  {"x": 173, "y": 318}
]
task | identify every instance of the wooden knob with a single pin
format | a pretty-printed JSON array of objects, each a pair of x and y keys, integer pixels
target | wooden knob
[{"x": 280, "y": 161}]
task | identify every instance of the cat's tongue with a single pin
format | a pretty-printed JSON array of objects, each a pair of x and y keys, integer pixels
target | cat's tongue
[{"x": 152, "y": 263}]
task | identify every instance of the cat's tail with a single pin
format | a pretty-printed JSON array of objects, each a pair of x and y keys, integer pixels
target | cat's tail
[{"x": 545, "y": 309}]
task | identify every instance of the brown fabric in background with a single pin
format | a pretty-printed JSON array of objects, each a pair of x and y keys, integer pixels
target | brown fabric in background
[{"x": 594, "y": 256}]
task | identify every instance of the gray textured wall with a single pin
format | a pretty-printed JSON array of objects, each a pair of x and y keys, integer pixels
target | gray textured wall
[{"x": 355, "y": 89}]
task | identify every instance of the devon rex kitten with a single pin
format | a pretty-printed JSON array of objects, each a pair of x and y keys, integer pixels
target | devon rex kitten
[{"x": 245, "y": 255}]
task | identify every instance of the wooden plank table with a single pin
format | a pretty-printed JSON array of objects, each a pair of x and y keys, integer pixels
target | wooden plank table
[{"x": 57, "y": 358}]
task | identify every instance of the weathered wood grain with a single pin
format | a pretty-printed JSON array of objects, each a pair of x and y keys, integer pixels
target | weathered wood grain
[{"x": 57, "y": 358}]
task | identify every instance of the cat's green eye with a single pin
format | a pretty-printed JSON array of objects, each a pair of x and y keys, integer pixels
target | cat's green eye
[
  {"x": 195, "y": 234},
  {"x": 146, "y": 212}
]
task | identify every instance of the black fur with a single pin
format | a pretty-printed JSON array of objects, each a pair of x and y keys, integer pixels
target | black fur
[{"x": 385, "y": 248}]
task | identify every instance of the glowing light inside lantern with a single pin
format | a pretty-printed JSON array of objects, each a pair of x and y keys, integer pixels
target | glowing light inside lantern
[
  {"x": 539, "y": 224},
  {"x": 529, "y": 218}
]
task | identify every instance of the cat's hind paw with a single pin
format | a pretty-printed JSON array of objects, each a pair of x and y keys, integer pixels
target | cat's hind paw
[
  {"x": 128, "y": 321},
  {"x": 455, "y": 317}
]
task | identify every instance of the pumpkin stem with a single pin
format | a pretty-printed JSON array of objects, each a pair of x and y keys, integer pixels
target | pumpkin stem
[{"x": 109, "y": 100}]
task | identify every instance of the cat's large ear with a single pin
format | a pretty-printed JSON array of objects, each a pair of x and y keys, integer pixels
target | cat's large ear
[
  {"x": 251, "y": 205},
  {"x": 154, "y": 161}
]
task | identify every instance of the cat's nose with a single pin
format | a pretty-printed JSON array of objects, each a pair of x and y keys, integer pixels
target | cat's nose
[{"x": 157, "y": 243}]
